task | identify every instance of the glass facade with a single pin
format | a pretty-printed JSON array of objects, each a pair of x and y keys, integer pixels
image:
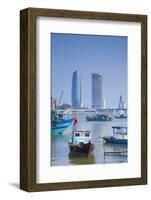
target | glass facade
[
  {"x": 97, "y": 80},
  {"x": 76, "y": 90}
]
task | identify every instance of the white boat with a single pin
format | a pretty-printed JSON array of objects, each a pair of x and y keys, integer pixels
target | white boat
[{"x": 81, "y": 142}]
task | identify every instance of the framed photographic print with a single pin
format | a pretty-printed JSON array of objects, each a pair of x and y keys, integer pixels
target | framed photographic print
[{"x": 83, "y": 99}]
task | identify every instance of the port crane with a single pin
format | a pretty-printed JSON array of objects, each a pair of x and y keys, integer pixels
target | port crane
[{"x": 60, "y": 98}]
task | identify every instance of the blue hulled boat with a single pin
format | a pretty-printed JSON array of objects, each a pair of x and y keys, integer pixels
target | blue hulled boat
[
  {"x": 119, "y": 136},
  {"x": 99, "y": 117},
  {"x": 58, "y": 123}
]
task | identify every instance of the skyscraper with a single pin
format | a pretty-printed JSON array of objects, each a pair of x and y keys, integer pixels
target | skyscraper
[
  {"x": 76, "y": 90},
  {"x": 97, "y": 80}
]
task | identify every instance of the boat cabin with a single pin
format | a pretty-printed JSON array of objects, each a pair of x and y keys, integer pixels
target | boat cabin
[
  {"x": 120, "y": 132},
  {"x": 81, "y": 137}
]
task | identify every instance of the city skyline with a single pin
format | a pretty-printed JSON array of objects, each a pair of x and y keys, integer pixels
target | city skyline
[
  {"x": 97, "y": 96},
  {"x": 76, "y": 90},
  {"x": 88, "y": 54}
]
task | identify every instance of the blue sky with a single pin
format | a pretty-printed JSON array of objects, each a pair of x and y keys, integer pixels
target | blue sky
[{"x": 106, "y": 55}]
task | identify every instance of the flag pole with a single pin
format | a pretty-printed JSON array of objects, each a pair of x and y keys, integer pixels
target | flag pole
[{"x": 74, "y": 128}]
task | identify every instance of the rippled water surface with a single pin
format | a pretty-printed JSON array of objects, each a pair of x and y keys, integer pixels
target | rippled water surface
[{"x": 60, "y": 149}]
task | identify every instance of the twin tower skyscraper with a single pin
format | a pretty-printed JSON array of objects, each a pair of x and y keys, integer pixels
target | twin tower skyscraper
[{"x": 76, "y": 95}]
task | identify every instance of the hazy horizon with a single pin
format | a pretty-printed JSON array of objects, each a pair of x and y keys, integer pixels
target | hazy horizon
[{"x": 105, "y": 55}]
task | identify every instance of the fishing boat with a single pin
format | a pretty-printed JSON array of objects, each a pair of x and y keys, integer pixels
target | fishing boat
[
  {"x": 58, "y": 123},
  {"x": 121, "y": 116},
  {"x": 81, "y": 143},
  {"x": 99, "y": 117},
  {"x": 119, "y": 136}
]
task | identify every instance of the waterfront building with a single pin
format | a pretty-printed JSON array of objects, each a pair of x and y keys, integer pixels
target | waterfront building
[
  {"x": 97, "y": 81},
  {"x": 76, "y": 90},
  {"x": 103, "y": 103}
]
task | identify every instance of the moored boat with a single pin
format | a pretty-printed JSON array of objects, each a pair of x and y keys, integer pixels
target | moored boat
[
  {"x": 99, "y": 117},
  {"x": 81, "y": 143},
  {"x": 121, "y": 116},
  {"x": 119, "y": 136},
  {"x": 58, "y": 123}
]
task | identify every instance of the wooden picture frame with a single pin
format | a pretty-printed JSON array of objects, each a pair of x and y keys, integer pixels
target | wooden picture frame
[{"x": 28, "y": 98}]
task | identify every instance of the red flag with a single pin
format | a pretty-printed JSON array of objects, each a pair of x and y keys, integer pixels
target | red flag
[{"x": 75, "y": 121}]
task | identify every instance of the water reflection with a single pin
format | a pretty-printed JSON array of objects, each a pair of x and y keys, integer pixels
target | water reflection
[
  {"x": 75, "y": 159},
  {"x": 60, "y": 154}
]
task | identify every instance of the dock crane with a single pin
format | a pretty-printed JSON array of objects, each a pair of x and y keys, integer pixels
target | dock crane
[{"x": 60, "y": 98}]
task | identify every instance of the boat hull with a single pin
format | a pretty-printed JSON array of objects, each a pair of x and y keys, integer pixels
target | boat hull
[
  {"x": 85, "y": 149},
  {"x": 99, "y": 119},
  {"x": 60, "y": 126},
  {"x": 120, "y": 117},
  {"x": 58, "y": 130},
  {"x": 115, "y": 140}
]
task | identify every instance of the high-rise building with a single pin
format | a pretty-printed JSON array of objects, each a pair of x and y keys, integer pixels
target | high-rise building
[
  {"x": 76, "y": 90},
  {"x": 97, "y": 81},
  {"x": 103, "y": 103}
]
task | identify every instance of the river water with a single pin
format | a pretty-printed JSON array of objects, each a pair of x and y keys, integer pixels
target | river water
[{"x": 60, "y": 150}]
